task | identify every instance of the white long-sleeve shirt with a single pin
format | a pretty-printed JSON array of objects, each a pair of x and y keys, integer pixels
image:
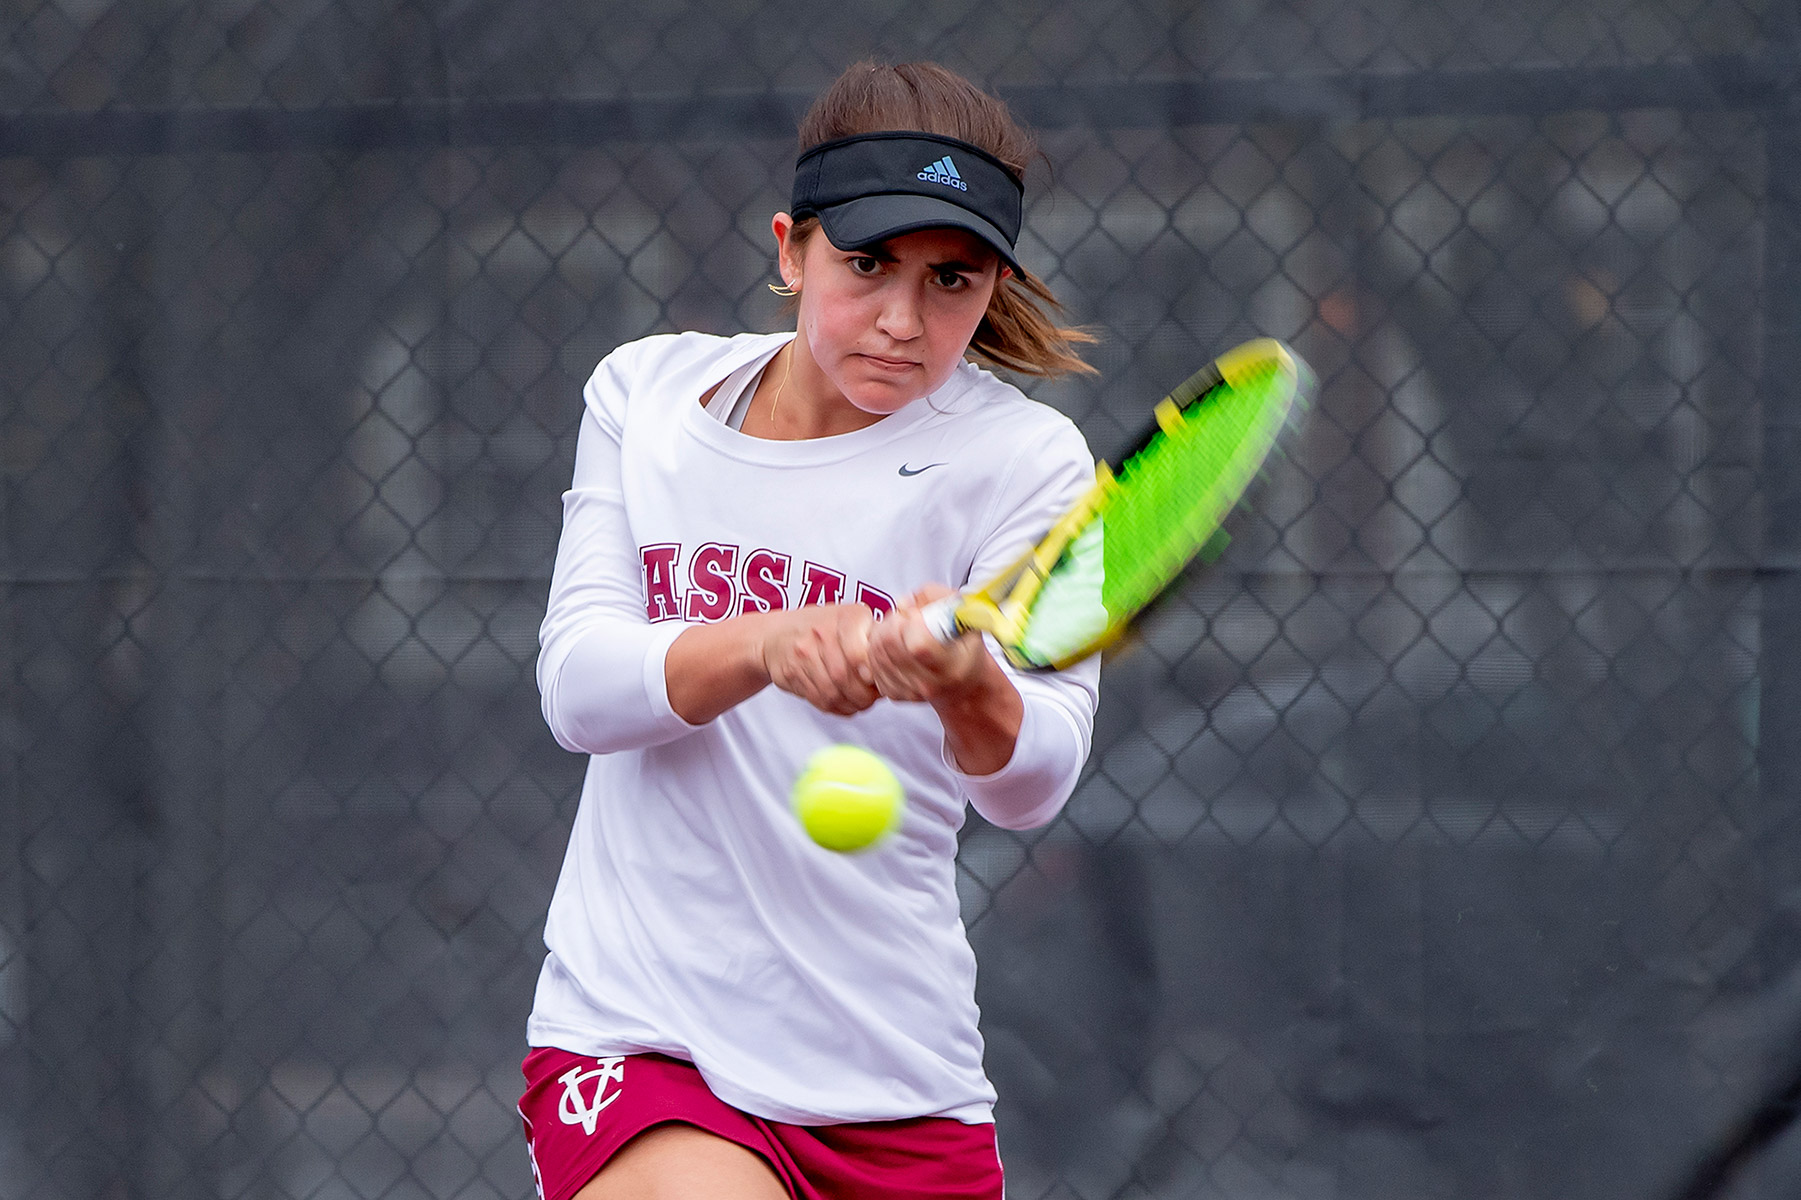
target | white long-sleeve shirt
[{"x": 693, "y": 916}]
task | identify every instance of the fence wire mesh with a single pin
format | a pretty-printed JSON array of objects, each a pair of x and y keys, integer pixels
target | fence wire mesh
[{"x": 1437, "y": 842}]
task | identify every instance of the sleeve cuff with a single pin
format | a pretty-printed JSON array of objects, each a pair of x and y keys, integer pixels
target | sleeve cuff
[{"x": 1033, "y": 785}]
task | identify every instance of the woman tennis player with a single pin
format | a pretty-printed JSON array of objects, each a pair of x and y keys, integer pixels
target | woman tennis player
[{"x": 727, "y": 1009}]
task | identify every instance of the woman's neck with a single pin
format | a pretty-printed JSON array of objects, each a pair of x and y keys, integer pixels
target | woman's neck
[{"x": 795, "y": 402}]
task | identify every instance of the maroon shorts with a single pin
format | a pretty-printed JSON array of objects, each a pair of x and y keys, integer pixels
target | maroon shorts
[{"x": 579, "y": 1110}]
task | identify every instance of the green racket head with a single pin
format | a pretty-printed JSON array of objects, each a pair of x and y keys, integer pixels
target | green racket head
[{"x": 1165, "y": 504}]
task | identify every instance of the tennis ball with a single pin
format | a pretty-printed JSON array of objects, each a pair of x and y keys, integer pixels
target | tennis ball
[{"x": 847, "y": 798}]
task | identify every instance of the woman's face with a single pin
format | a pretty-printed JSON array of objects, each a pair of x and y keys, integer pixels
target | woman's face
[{"x": 887, "y": 324}]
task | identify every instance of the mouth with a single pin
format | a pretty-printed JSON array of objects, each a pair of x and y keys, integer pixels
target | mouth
[{"x": 897, "y": 365}]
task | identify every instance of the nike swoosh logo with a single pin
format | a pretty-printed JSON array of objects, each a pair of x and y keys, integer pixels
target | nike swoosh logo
[{"x": 906, "y": 470}]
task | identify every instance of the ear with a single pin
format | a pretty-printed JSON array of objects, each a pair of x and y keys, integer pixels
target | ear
[
  {"x": 1006, "y": 272},
  {"x": 787, "y": 254}
]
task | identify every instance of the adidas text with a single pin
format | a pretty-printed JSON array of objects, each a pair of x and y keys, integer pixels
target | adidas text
[{"x": 944, "y": 171}]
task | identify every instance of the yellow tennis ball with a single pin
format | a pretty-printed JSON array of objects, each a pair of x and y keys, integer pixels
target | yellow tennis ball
[{"x": 847, "y": 798}]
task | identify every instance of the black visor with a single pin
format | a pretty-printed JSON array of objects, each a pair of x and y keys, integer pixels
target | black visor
[{"x": 875, "y": 186}]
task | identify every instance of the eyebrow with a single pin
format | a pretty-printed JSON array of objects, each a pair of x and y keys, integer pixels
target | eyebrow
[{"x": 881, "y": 253}]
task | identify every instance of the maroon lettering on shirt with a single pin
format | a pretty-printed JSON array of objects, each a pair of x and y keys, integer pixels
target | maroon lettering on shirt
[
  {"x": 661, "y": 603},
  {"x": 821, "y": 585},
  {"x": 710, "y": 582},
  {"x": 765, "y": 582},
  {"x": 724, "y": 580},
  {"x": 880, "y": 602}
]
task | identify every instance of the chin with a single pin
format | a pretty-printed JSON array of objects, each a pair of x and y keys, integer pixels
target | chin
[
  {"x": 885, "y": 397},
  {"x": 881, "y": 405},
  {"x": 882, "y": 397}
]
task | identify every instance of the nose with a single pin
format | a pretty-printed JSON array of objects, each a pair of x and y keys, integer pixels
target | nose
[{"x": 900, "y": 315}]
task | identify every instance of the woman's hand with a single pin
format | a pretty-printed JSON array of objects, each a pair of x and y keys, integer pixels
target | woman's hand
[
  {"x": 908, "y": 662},
  {"x": 976, "y": 703},
  {"x": 821, "y": 654}
]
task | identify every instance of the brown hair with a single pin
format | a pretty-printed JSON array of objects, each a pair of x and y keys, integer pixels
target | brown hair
[{"x": 1016, "y": 333}]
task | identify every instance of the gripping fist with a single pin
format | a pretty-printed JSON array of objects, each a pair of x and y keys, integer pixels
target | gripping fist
[{"x": 821, "y": 654}]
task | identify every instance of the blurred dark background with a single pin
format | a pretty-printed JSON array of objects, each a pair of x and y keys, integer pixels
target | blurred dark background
[{"x": 1439, "y": 842}]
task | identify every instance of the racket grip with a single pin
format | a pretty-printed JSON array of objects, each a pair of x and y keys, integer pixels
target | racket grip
[{"x": 940, "y": 617}]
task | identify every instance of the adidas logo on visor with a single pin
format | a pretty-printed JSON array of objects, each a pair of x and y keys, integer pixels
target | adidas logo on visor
[{"x": 944, "y": 171}]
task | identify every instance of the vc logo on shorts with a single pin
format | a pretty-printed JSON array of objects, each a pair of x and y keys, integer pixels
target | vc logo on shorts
[
  {"x": 944, "y": 171},
  {"x": 577, "y": 1109}
]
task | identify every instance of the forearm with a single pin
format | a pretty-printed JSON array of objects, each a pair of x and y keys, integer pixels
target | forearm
[
  {"x": 981, "y": 721},
  {"x": 712, "y": 668}
]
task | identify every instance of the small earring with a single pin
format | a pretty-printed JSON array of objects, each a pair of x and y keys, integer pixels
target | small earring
[{"x": 783, "y": 289}]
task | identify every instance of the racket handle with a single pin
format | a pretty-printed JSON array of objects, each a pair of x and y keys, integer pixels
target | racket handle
[{"x": 940, "y": 617}]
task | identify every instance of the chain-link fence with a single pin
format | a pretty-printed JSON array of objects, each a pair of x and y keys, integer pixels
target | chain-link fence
[{"x": 1439, "y": 841}]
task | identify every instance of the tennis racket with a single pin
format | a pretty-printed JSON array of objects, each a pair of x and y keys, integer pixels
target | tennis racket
[{"x": 1131, "y": 534}]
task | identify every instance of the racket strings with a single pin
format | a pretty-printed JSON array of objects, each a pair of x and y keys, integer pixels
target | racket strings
[
  {"x": 1163, "y": 507},
  {"x": 1174, "y": 493}
]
